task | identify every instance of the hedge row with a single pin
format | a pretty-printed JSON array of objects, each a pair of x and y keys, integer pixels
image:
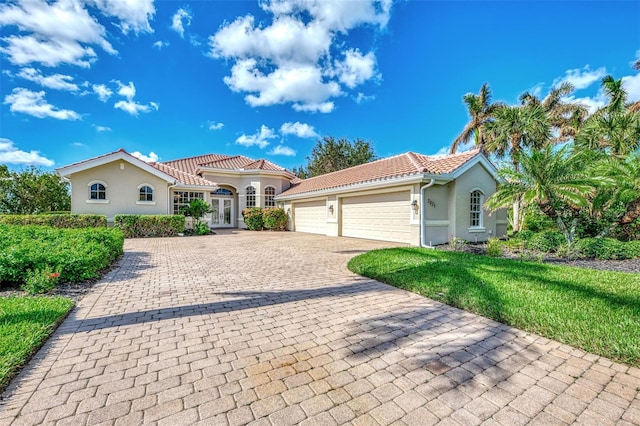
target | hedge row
[
  {"x": 137, "y": 226},
  {"x": 270, "y": 218},
  {"x": 56, "y": 220},
  {"x": 593, "y": 248},
  {"x": 76, "y": 254}
]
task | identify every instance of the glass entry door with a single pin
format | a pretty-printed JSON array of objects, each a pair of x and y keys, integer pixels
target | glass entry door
[{"x": 221, "y": 212}]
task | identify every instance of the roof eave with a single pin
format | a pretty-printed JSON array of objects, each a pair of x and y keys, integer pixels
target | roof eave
[{"x": 369, "y": 185}]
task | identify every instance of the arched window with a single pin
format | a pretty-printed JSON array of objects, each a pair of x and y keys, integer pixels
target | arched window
[
  {"x": 146, "y": 193},
  {"x": 97, "y": 191},
  {"x": 251, "y": 196},
  {"x": 269, "y": 196},
  {"x": 475, "y": 209}
]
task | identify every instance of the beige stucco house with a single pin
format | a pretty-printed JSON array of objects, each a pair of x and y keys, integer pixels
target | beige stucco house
[{"x": 409, "y": 198}]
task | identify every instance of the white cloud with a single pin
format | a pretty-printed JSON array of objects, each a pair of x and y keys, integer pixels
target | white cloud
[
  {"x": 134, "y": 15},
  {"x": 10, "y": 154},
  {"x": 581, "y": 78},
  {"x": 134, "y": 108},
  {"x": 151, "y": 158},
  {"x": 361, "y": 98},
  {"x": 34, "y": 104},
  {"x": 282, "y": 150},
  {"x": 631, "y": 84},
  {"x": 53, "y": 81},
  {"x": 260, "y": 138},
  {"x": 102, "y": 128},
  {"x": 591, "y": 103},
  {"x": 289, "y": 60},
  {"x": 128, "y": 91},
  {"x": 103, "y": 92},
  {"x": 52, "y": 33},
  {"x": 215, "y": 126},
  {"x": 301, "y": 130},
  {"x": 160, "y": 44},
  {"x": 356, "y": 68},
  {"x": 180, "y": 19},
  {"x": 78, "y": 144}
]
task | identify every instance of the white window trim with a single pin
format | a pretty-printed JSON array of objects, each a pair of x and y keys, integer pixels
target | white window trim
[
  {"x": 97, "y": 201},
  {"x": 275, "y": 204},
  {"x": 153, "y": 194},
  {"x": 255, "y": 196},
  {"x": 481, "y": 227}
]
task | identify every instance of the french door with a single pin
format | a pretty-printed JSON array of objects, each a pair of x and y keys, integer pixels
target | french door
[{"x": 221, "y": 212}]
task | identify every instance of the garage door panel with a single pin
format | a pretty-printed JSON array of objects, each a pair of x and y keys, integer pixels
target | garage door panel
[
  {"x": 311, "y": 217},
  {"x": 379, "y": 217}
]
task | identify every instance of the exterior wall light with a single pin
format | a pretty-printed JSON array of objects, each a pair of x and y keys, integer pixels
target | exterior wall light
[{"x": 415, "y": 206}]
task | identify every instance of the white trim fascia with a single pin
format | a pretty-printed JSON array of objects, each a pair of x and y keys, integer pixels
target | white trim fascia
[
  {"x": 365, "y": 186},
  {"x": 109, "y": 158},
  {"x": 479, "y": 158},
  {"x": 181, "y": 186},
  {"x": 97, "y": 201}
]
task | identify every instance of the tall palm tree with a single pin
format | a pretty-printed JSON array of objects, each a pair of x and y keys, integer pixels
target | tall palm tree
[
  {"x": 615, "y": 92},
  {"x": 551, "y": 179},
  {"x": 481, "y": 111},
  {"x": 626, "y": 176},
  {"x": 564, "y": 117},
  {"x": 513, "y": 129}
]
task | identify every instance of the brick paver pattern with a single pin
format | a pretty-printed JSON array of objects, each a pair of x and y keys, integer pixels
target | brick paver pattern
[{"x": 272, "y": 329}]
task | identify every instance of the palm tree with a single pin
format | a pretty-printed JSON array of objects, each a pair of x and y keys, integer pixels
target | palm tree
[
  {"x": 552, "y": 180},
  {"x": 481, "y": 111},
  {"x": 614, "y": 91},
  {"x": 565, "y": 117},
  {"x": 513, "y": 129}
]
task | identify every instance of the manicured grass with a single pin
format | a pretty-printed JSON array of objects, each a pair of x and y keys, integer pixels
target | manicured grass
[
  {"x": 598, "y": 311},
  {"x": 25, "y": 323}
]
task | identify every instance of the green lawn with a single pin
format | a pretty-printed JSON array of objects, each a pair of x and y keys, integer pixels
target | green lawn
[
  {"x": 598, "y": 311},
  {"x": 25, "y": 323}
]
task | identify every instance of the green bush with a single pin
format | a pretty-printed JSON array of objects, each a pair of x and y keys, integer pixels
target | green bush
[
  {"x": 546, "y": 241},
  {"x": 201, "y": 229},
  {"x": 524, "y": 235},
  {"x": 275, "y": 219},
  {"x": 40, "y": 281},
  {"x": 494, "y": 247},
  {"x": 632, "y": 249},
  {"x": 56, "y": 220},
  {"x": 76, "y": 254},
  {"x": 602, "y": 248},
  {"x": 137, "y": 226},
  {"x": 253, "y": 218}
]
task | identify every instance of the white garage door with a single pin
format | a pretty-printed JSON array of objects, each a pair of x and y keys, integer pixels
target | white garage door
[
  {"x": 378, "y": 217},
  {"x": 311, "y": 217}
]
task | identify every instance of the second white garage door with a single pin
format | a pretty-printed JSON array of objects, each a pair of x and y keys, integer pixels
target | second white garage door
[
  {"x": 311, "y": 217},
  {"x": 378, "y": 217}
]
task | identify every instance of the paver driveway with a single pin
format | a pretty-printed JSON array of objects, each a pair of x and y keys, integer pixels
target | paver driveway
[{"x": 271, "y": 328}]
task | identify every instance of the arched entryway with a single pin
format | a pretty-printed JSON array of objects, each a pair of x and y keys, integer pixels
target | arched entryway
[{"x": 222, "y": 208}]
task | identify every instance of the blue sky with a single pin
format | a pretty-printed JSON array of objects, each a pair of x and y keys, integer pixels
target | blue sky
[{"x": 170, "y": 79}]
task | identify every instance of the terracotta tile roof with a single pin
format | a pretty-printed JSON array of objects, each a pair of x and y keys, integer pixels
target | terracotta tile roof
[
  {"x": 406, "y": 164},
  {"x": 182, "y": 176}
]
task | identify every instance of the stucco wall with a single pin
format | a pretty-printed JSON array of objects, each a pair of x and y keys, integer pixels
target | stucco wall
[
  {"x": 475, "y": 178},
  {"x": 122, "y": 180},
  {"x": 436, "y": 214}
]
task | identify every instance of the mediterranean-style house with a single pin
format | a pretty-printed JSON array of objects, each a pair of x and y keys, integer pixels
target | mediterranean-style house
[{"x": 409, "y": 198}]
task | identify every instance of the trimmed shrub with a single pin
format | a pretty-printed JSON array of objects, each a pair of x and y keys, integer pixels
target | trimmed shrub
[
  {"x": 253, "y": 218},
  {"x": 602, "y": 248},
  {"x": 275, "y": 219},
  {"x": 632, "y": 249},
  {"x": 76, "y": 254},
  {"x": 547, "y": 241},
  {"x": 138, "y": 226},
  {"x": 56, "y": 220}
]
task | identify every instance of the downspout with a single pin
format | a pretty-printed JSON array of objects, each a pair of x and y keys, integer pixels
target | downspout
[{"x": 423, "y": 231}]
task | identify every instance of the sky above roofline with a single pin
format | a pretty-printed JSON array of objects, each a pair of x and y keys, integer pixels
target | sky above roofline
[{"x": 169, "y": 79}]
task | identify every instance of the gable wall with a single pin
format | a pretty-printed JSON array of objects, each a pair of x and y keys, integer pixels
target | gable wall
[
  {"x": 122, "y": 190},
  {"x": 476, "y": 177}
]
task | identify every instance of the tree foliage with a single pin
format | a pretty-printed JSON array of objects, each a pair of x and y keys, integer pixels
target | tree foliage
[
  {"x": 31, "y": 191},
  {"x": 330, "y": 154}
]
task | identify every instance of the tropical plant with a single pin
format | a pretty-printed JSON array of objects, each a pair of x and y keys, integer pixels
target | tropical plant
[
  {"x": 551, "y": 179},
  {"x": 481, "y": 110},
  {"x": 196, "y": 210}
]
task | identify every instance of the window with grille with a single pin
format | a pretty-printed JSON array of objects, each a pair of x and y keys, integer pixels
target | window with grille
[
  {"x": 251, "y": 196},
  {"x": 146, "y": 193},
  {"x": 183, "y": 198},
  {"x": 269, "y": 196},
  {"x": 476, "y": 209},
  {"x": 97, "y": 191}
]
